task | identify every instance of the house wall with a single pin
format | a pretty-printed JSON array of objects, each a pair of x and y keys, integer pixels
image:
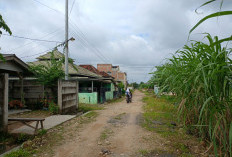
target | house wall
[
  {"x": 88, "y": 98},
  {"x": 109, "y": 95},
  {"x": 122, "y": 77},
  {"x": 104, "y": 67}
]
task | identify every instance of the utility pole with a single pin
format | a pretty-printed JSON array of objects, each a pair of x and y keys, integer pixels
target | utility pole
[{"x": 66, "y": 39}]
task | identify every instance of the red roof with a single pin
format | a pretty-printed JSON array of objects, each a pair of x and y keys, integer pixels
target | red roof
[
  {"x": 91, "y": 68},
  {"x": 94, "y": 70},
  {"x": 104, "y": 74}
]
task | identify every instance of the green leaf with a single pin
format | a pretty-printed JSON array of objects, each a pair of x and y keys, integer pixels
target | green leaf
[
  {"x": 217, "y": 14},
  {"x": 2, "y": 58},
  {"x": 4, "y": 26},
  {"x": 205, "y": 4},
  {"x": 222, "y": 40}
]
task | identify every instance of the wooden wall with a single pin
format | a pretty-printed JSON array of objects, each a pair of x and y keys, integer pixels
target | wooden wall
[
  {"x": 67, "y": 96},
  {"x": 3, "y": 101},
  {"x": 32, "y": 92}
]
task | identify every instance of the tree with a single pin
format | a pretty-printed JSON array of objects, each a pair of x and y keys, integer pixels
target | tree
[
  {"x": 48, "y": 73},
  {"x": 135, "y": 85},
  {"x": 3, "y": 26}
]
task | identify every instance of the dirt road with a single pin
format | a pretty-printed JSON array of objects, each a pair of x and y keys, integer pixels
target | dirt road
[{"x": 116, "y": 133}]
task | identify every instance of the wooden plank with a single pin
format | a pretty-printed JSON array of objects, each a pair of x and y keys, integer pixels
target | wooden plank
[
  {"x": 26, "y": 119},
  {"x": 5, "y": 102},
  {"x": 68, "y": 104},
  {"x": 69, "y": 97},
  {"x": 69, "y": 90},
  {"x": 77, "y": 90},
  {"x": 59, "y": 95},
  {"x": 1, "y": 100},
  {"x": 68, "y": 84},
  {"x": 69, "y": 93},
  {"x": 29, "y": 95},
  {"x": 31, "y": 86}
]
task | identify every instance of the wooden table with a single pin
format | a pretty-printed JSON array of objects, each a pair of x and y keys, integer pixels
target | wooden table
[{"x": 27, "y": 120}]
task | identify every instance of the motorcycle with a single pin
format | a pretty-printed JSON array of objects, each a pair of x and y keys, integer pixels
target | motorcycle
[{"x": 128, "y": 98}]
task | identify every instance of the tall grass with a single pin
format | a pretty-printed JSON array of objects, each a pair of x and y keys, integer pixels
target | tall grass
[{"x": 200, "y": 75}]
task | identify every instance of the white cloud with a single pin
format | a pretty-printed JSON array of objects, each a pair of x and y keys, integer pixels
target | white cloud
[{"x": 135, "y": 34}]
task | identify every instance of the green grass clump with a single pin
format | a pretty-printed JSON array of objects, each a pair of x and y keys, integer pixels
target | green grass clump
[
  {"x": 158, "y": 116},
  {"x": 106, "y": 134},
  {"x": 19, "y": 153},
  {"x": 89, "y": 107},
  {"x": 91, "y": 114},
  {"x": 116, "y": 100}
]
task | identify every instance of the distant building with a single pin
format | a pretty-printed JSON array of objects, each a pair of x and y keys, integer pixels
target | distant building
[{"x": 114, "y": 71}]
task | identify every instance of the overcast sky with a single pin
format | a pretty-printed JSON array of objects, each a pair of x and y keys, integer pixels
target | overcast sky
[{"x": 135, "y": 34}]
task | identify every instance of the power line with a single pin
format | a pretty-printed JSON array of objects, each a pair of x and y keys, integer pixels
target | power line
[
  {"x": 19, "y": 47},
  {"x": 72, "y": 7},
  {"x": 62, "y": 44},
  {"x": 27, "y": 38},
  {"x": 84, "y": 40},
  {"x": 90, "y": 44},
  {"x": 48, "y": 6},
  {"x": 82, "y": 37},
  {"x": 84, "y": 44},
  {"x": 37, "y": 53}
]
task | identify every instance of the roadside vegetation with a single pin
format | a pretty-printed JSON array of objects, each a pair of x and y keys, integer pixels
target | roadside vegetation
[
  {"x": 89, "y": 107},
  {"x": 160, "y": 116},
  {"x": 199, "y": 75},
  {"x": 46, "y": 140}
]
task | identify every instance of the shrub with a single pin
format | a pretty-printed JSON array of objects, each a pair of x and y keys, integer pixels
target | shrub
[
  {"x": 53, "y": 108},
  {"x": 18, "y": 153}
]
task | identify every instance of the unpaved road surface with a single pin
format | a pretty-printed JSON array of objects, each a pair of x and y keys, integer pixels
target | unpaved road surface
[{"x": 115, "y": 133}]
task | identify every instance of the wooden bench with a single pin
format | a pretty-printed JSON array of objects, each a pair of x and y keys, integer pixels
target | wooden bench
[{"x": 26, "y": 120}]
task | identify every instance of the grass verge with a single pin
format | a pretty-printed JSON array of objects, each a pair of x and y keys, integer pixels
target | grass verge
[
  {"x": 116, "y": 100},
  {"x": 89, "y": 107},
  {"x": 161, "y": 117}
]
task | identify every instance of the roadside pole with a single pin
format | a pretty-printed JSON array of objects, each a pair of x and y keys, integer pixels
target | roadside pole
[{"x": 66, "y": 40}]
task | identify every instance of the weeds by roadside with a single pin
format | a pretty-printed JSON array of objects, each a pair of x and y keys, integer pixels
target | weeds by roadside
[
  {"x": 105, "y": 134},
  {"x": 161, "y": 117},
  {"x": 46, "y": 140},
  {"x": 116, "y": 100},
  {"x": 89, "y": 107}
]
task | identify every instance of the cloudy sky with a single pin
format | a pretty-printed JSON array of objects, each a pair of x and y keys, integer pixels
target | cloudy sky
[{"x": 135, "y": 34}]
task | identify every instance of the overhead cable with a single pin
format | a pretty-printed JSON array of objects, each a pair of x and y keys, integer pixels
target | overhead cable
[{"x": 27, "y": 38}]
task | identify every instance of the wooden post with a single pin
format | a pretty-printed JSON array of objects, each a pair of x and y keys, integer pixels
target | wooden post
[
  {"x": 5, "y": 102},
  {"x": 92, "y": 86},
  {"x": 21, "y": 89},
  {"x": 60, "y": 95},
  {"x": 77, "y": 90}
]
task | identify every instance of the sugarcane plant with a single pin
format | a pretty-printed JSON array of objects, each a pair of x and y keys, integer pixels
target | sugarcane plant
[{"x": 200, "y": 75}]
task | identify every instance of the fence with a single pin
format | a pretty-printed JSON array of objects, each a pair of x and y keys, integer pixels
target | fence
[
  {"x": 31, "y": 92},
  {"x": 3, "y": 102},
  {"x": 67, "y": 95}
]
